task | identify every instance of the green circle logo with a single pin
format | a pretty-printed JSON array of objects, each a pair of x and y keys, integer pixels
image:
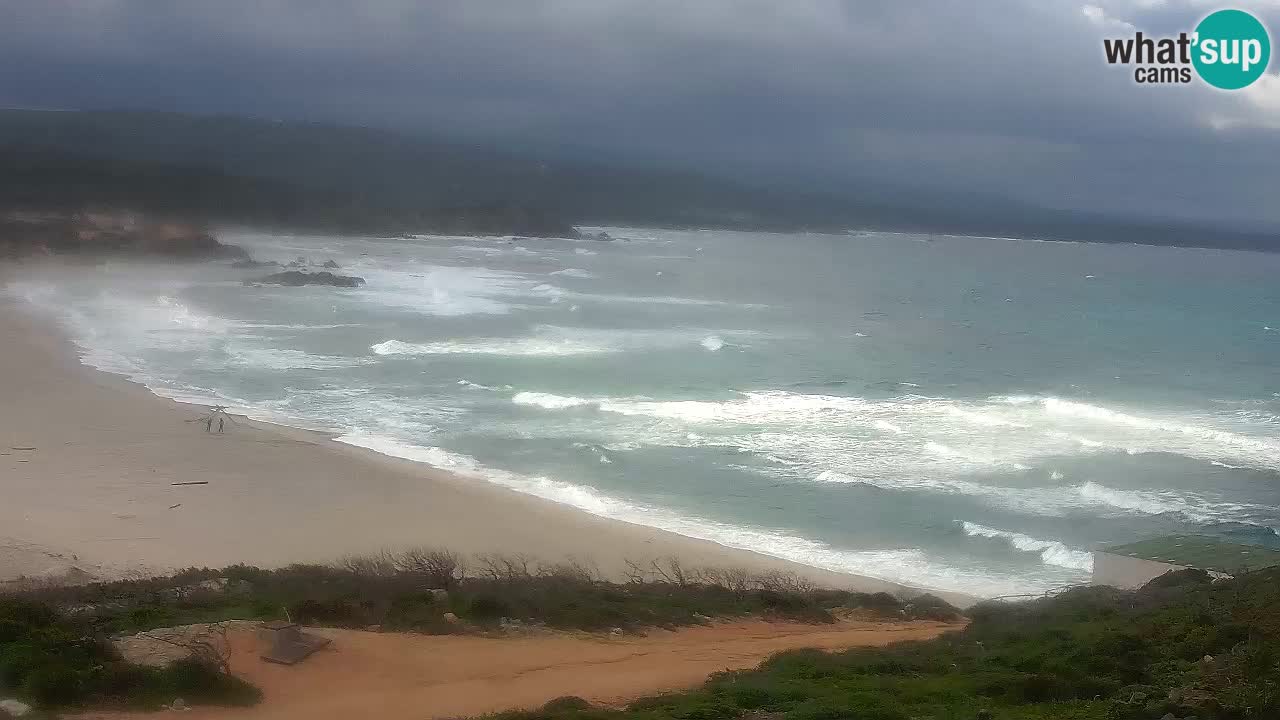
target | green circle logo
[{"x": 1232, "y": 49}]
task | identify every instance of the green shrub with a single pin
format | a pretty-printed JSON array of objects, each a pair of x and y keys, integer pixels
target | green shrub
[{"x": 566, "y": 703}]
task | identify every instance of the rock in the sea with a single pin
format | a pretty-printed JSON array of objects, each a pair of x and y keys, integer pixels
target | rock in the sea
[
  {"x": 330, "y": 264},
  {"x": 297, "y": 278},
  {"x": 254, "y": 263}
]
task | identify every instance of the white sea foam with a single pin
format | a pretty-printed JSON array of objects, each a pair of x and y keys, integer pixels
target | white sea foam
[
  {"x": 573, "y": 273},
  {"x": 549, "y": 400},
  {"x": 477, "y": 386},
  {"x": 712, "y": 342},
  {"x": 269, "y": 358},
  {"x": 1200, "y": 436},
  {"x": 549, "y": 340},
  {"x": 909, "y": 565},
  {"x": 1057, "y": 501},
  {"x": 1052, "y": 552},
  {"x": 445, "y": 291},
  {"x": 528, "y": 347}
]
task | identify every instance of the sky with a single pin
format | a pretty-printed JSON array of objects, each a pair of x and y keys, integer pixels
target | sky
[{"x": 1004, "y": 97}]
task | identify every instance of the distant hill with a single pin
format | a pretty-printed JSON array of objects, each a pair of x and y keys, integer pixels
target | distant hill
[{"x": 229, "y": 169}]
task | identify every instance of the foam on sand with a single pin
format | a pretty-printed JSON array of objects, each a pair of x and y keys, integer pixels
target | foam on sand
[{"x": 909, "y": 565}]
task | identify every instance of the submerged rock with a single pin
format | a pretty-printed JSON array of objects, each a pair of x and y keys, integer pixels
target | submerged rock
[{"x": 297, "y": 278}]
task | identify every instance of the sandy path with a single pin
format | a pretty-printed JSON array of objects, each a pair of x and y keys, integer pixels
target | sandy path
[{"x": 401, "y": 677}]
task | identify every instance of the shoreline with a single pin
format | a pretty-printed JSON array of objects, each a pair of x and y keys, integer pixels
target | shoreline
[{"x": 96, "y": 495}]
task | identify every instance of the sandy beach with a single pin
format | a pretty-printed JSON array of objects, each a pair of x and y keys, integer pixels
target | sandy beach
[{"x": 89, "y": 464}]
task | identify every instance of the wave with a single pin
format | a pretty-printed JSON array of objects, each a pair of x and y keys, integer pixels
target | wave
[
  {"x": 477, "y": 386},
  {"x": 1199, "y": 436},
  {"x": 1052, "y": 552},
  {"x": 573, "y": 273},
  {"x": 549, "y": 400},
  {"x": 264, "y": 358},
  {"x": 549, "y": 340},
  {"x": 903, "y": 565},
  {"x": 1061, "y": 501},
  {"x": 519, "y": 347},
  {"x": 904, "y": 444},
  {"x": 1011, "y": 432},
  {"x": 444, "y": 291}
]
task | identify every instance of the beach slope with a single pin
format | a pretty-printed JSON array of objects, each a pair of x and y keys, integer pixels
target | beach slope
[{"x": 100, "y": 475}]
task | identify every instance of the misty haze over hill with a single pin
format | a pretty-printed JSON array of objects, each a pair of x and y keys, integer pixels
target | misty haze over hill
[{"x": 239, "y": 170}]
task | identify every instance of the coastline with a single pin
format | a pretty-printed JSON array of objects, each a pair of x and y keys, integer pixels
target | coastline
[{"x": 97, "y": 494}]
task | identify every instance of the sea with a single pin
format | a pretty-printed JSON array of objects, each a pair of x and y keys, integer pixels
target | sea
[{"x": 954, "y": 413}]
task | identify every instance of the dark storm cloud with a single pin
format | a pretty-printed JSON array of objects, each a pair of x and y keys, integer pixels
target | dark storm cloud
[{"x": 1006, "y": 96}]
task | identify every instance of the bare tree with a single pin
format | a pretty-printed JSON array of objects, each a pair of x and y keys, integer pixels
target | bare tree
[
  {"x": 571, "y": 569},
  {"x": 782, "y": 582},
  {"x": 382, "y": 564},
  {"x": 439, "y": 568},
  {"x": 499, "y": 566},
  {"x": 736, "y": 580},
  {"x": 637, "y": 571},
  {"x": 670, "y": 570}
]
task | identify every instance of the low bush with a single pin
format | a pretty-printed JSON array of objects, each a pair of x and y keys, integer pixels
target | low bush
[
  {"x": 58, "y": 661},
  {"x": 412, "y": 590}
]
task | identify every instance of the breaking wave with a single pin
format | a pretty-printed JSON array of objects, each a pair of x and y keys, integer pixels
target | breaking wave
[
  {"x": 906, "y": 565},
  {"x": 1052, "y": 552},
  {"x": 1013, "y": 432},
  {"x": 548, "y": 340}
]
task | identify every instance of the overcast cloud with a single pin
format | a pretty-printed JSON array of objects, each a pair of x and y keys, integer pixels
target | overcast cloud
[{"x": 1004, "y": 96}]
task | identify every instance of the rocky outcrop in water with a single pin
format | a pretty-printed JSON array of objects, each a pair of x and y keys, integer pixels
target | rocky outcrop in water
[{"x": 297, "y": 278}]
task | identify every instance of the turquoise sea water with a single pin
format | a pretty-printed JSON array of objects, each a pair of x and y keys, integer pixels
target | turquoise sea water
[{"x": 968, "y": 414}]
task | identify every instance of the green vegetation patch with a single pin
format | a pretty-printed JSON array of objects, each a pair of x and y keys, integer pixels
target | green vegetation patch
[
  {"x": 1204, "y": 553},
  {"x": 58, "y": 660}
]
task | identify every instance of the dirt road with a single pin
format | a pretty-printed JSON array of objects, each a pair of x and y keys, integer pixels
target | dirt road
[{"x": 394, "y": 676}]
